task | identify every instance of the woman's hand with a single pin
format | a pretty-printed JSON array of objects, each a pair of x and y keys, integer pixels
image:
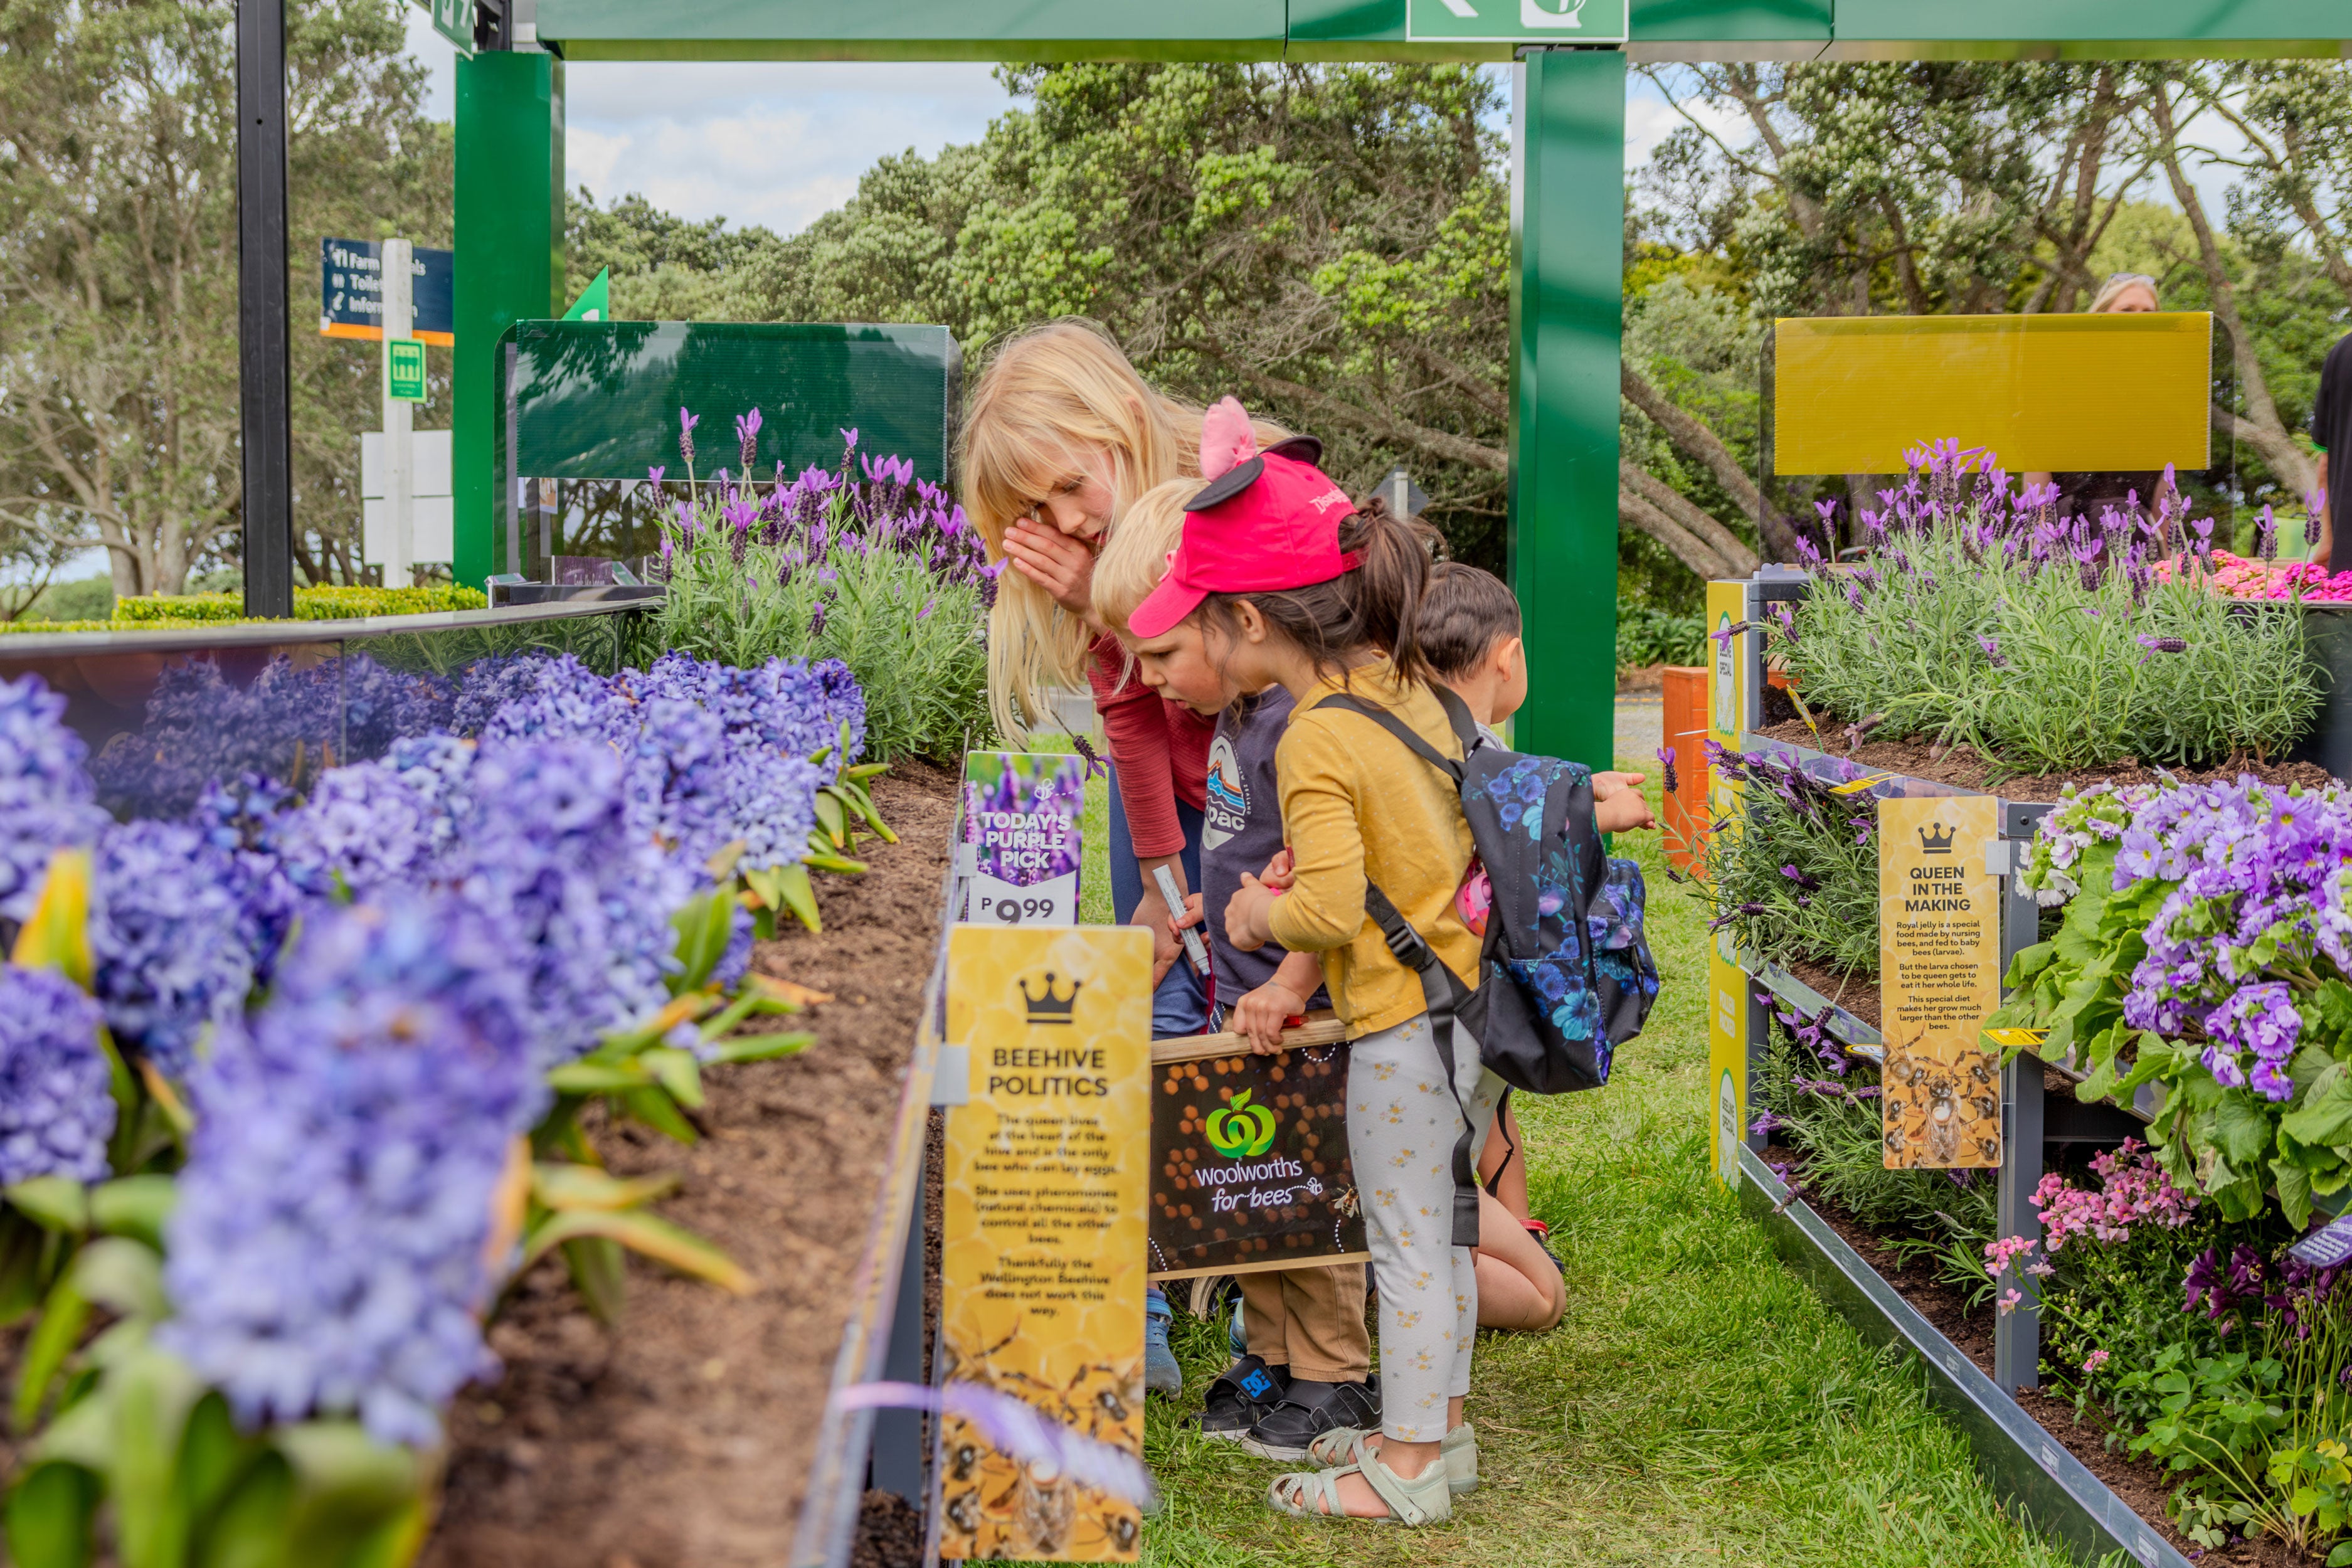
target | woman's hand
[
  {"x": 1151, "y": 912},
  {"x": 1262, "y": 1014},
  {"x": 1062, "y": 566}
]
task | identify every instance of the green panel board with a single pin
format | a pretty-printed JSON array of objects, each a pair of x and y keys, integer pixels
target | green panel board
[
  {"x": 510, "y": 262},
  {"x": 1568, "y": 214},
  {"x": 2092, "y": 29},
  {"x": 599, "y": 400},
  {"x": 912, "y": 29},
  {"x": 1728, "y": 21}
]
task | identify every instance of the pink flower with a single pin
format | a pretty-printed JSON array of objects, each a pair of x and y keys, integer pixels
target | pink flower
[
  {"x": 2001, "y": 1254},
  {"x": 2095, "y": 1361},
  {"x": 2010, "y": 1301}
]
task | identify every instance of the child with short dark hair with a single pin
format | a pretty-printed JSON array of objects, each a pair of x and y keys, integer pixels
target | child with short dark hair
[{"x": 1469, "y": 625}]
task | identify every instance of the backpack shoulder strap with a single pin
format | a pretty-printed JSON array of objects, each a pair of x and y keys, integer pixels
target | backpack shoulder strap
[
  {"x": 1457, "y": 713},
  {"x": 1404, "y": 731},
  {"x": 1444, "y": 991}
]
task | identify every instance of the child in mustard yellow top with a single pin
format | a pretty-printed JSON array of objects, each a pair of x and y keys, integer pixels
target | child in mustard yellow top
[{"x": 1280, "y": 582}]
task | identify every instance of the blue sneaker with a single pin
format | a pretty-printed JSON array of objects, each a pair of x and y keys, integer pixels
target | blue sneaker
[{"x": 1160, "y": 1372}]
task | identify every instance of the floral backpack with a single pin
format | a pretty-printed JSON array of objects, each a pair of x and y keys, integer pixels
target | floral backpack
[{"x": 1565, "y": 974}]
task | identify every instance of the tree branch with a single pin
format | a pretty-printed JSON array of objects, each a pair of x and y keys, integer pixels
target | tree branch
[
  {"x": 1684, "y": 546},
  {"x": 1728, "y": 546},
  {"x": 1688, "y": 432}
]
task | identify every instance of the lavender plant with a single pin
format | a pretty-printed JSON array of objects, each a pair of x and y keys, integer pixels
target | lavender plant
[
  {"x": 1795, "y": 877},
  {"x": 2049, "y": 642},
  {"x": 865, "y": 563},
  {"x": 328, "y": 1252},
  {"x": 56, "y": 1110}
]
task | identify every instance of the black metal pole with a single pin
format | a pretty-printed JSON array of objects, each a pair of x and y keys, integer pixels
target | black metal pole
[{"x": 264, "y": 379}]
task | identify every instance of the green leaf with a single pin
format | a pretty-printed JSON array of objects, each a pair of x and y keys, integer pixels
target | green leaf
[
  {"x": 357, "y": 1503},
  {"x": 249, "y": 1530},
  {"x": 152, "y": 1393},
  {"x": 830, "y": 816},
  {"x": 794, "y": 893},
  {"x": 122, "y": 1276},
  {"x": 25, "y": 1248},
  {"x": 51, "y": 1509},
  {"x": 55, "y": 935},
  {"x": 63, "y": 1317},
  {"x": 567, "y": 1187},
  {"x": 654, "y": 1107},
  {"x": 760, "y": 1047},
  {"x": 598, "y": 1078},
  {"x": 134, "y": 1206},
  {"x": 595, "y": 1264},
  {"x": 2324, "y": 1119},
  {"x": 2293, "y": 1183},
  {"x": 53, "y": 1203},
  {"x": 678, "y": 1073},
  {"x": 654, "y": 1238},
  {"x": 2030, "y": 961},
  {"x": 2242, "y": 1129},
  {"x": 703, "y": 926}
]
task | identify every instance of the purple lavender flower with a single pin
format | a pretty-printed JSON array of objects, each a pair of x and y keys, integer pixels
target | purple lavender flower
[
  {"x": 685, "y": 424},
  {"x": 326, "y": 1252},
  {"x": 747, "y": 437},
  {"x": 45, "y": 802},
  {"x": 56, "y": 1113}
]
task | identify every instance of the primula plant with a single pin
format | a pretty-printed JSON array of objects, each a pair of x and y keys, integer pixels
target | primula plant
[
  {"x": 2205, "y": 948},
  {"x": 2049, "y": 642},
  {"x": 865, "y": 563}
]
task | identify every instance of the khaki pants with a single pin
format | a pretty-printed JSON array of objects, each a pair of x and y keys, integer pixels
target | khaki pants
[{"x": 1309, "y": 1320}]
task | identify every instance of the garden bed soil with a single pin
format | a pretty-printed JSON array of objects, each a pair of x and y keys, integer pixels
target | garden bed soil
[
  {"x": 2143, "y": 1485},
  {"x": 1857, "y": 994},
  {"x": 685, "y": 1436},
  {"x": 1967, "y": 768}
]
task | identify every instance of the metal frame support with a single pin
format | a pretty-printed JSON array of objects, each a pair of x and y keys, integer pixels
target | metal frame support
[
  {"x": 510, "y": 212},
  {"x": 902, "y": 1446},
  {"x": 2017, "y": 1333},
  {"x": 1760, "y": 1046},
  {"x": 265, "y": 380},
  {"x": 1568, "y": 224}
]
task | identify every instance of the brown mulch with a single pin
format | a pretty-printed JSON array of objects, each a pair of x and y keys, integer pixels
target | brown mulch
[
  {"x": 1857, "y": 994},
  {"x": 2142, "y": 1484},
  {"x": 1968, "y": 768},
  {"x": 685, "y": 1436}
]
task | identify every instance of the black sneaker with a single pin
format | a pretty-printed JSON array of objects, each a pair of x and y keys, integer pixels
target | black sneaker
[
  {"x": 1240, "y": 1398},
  {"x": 1308, "y": 1410},
  {"x": 1542, "y": 1234}
]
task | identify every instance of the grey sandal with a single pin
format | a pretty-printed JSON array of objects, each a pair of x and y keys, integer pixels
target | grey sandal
[
  {"x": 1345, "y": 1446},
  {"x": 1426, "y": 1499}
]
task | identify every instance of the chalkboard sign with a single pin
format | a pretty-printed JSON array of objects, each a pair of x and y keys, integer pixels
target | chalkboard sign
[{"x": 1249, "y": 1157}]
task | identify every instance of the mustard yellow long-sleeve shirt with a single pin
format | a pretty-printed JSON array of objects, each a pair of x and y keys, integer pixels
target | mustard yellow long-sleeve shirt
[{"x": 1357, "y": 805}]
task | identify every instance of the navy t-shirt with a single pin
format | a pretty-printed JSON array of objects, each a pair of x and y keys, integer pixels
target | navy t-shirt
[
  {"x": 2331, "y": 427},
  {"x": 1241, "y": 830}
]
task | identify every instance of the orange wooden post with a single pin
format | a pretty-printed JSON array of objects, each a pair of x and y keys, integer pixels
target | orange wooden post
[{"x": 1686, "y": 735}]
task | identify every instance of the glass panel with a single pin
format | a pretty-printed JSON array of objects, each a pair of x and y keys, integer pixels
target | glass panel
[{"x": 166, "y": 714}]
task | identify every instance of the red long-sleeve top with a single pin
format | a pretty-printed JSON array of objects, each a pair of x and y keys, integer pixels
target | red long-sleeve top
[{"x": 1161, "y": 749}]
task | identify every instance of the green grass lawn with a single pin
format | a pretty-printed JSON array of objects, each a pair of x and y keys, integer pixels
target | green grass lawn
[{"x": 1697, "y": 1406}]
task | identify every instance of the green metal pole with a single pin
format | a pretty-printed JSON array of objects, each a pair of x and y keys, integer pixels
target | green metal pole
[
  {"x": 1567, "y": 222},
  {"x": 509, "y": 264}
]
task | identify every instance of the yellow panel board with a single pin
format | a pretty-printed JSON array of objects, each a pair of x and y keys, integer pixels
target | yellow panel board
[
  {"x": 1727, "y": 1062},
  {"x": 2045, "y": 394},
  {"x": 1726, "y": 987},
  {"x": 1042, "y": 1252},
  {"x": 1939, "y": 945}
]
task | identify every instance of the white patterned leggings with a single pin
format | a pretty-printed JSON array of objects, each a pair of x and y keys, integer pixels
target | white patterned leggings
[{"x": 1402, "y": 1122}]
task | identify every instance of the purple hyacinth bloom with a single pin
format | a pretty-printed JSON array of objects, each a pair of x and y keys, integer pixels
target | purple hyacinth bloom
[
  {"x": 327, "y": 1249},
  {"x": 169, "y": 933},
  {"x": 45, "y": 800},
  {"x": 56, "y": 1112}
]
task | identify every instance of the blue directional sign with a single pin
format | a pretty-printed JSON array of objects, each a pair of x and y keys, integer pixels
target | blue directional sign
[{"x": 350, "y": 291}]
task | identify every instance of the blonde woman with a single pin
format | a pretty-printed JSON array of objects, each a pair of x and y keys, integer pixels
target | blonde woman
[
  {"x": 1060, "y": 437},
  {"x": 2088, "y": 495}
]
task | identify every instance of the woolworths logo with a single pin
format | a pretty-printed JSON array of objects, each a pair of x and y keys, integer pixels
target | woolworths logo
[{"x": 1241, "y": 1130}]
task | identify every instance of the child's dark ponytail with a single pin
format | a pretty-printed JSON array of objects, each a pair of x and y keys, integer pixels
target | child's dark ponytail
[{"x": 1374, "y": 605}]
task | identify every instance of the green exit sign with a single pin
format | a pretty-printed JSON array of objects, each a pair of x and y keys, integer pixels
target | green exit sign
[
  {"x": 1516, "y": 21},
  {"x": 453, "y": 20},
  {"x": 404, "y": 370}
]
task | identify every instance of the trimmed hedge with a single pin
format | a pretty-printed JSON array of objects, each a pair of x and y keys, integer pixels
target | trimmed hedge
[{"x": 326, "y": 604}]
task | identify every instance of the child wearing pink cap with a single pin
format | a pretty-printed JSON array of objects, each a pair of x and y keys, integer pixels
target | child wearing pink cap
[{"x": 1280, "y": 581}]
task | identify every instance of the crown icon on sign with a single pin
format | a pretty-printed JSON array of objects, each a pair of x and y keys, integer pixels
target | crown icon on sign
[
  {"x": 1935, "y": 838},
  {"x": 1049, "y": 1008}
]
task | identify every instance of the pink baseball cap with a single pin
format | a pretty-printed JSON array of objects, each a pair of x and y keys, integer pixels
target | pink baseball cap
[{"x": 1264, "y": 523}]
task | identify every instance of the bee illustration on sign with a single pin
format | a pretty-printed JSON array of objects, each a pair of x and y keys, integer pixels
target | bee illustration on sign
[
  {"x": 1003, "y": 1508},
  {"x": 1939, "y": 1116}
]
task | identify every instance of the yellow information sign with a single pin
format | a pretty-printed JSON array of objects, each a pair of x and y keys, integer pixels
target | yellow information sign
[
  {"x": 1727, "y": 1062},
  {"x": 1042, "y": 1260},
  {"x": 1940, "y": 964},
  {"x": 2049, "y": 394},
  {"x": 1727, "y": 985}
]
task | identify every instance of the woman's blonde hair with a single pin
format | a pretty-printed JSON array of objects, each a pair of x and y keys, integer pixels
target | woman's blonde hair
[
  {"x": 1050, "y": 395},
  {"x": 2115, "y": 286},
  {"x": 1136, "y": 559}
]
